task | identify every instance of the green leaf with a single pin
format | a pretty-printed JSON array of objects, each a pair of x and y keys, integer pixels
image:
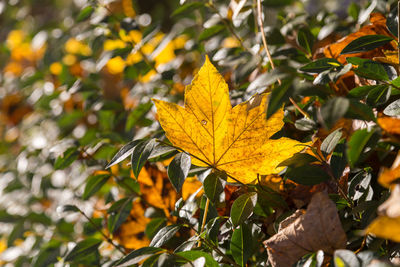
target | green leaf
[
  {"x": 330, "y": 142},
  {"x": 68, "y": 208},
  {"x": 392, "y": 21},
  {"x": 119, "y": 212},
  {"x": 339, "y": 160},
  {"x": 393, "y": 109},
  {"x": 94, "y": 184},
  {"x": 210, "y": 32},
  {"x": 360, "y": 111},
  {"x": 279, "y": 96},
  {"x": 369, "y": 69},
  {"x": 137, "y": 256},
  {"x": 307, "y": 175},
  {"x": 366, "y": 43},
  {"x": 48, "y": 254},
  {"x": 241, "y": 244},
  {"x": 164, "y": 235},
  {"x": 154, "y": 226},
  {"x": 243, "y": 207},
  {"x": 186, "y": 8},
  {"x": 276, "y": 3},
  {"x": 305, "y": 39},
  {"x": 85, "y": 13},
  {"x": 356, "y": 145},
  {"x": 378, "y": 96},
  {"x": 298, "y": 159},
  {"x": 69, "y": 156},
  {"x": 333, "y": 110},
  {"x": 178, "y": 170},
  {"x": 345, "y": 258},
  {"x": 362, "y": 91},
  {"x": 213, "y": 187},
  {"x": 192, "y": 255},
  {"x": 123, "y": 153},
  {"x": 321, "y": 65},
  {"x": 140, "y": 154},
  {"x": 138, "y": 113},
  {"x": 83, "y": 249}
]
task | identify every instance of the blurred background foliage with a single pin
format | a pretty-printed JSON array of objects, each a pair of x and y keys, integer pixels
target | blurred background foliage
[{"x": 75, "y": 86}]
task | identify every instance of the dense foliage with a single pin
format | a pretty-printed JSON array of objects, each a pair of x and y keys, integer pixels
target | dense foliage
[{"x": 92, "y": 173}]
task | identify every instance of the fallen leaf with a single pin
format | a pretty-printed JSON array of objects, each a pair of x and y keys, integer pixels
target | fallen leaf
[
  {"x": 319, "y": 228},
  {"x": 389, "y": 124},
  {"x": 377, "y": 27},
  {"x": 390, "y": 57},
  {"x": 235, "y": 140}
]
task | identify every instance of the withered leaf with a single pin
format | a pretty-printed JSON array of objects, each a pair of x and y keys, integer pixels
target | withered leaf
[{"x": 319, "y": 228}]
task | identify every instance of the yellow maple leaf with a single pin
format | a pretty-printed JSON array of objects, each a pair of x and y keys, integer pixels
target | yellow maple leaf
[{"x": 235, "y": 140}]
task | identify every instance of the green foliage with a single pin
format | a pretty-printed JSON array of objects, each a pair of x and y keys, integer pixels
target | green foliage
[{"x": 89, "y": 178}]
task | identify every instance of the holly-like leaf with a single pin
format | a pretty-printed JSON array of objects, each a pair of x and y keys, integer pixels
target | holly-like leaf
[
  {"x": 235, "y": 140},
  {"x": 243, "y": 207},
  {"x": 178, "y": 170},
  {"x": 366, "y": 43}
]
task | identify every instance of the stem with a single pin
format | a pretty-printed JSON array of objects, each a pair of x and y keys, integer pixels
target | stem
[
  {"x": 228, "y": 25},
  {"x": 204, "y": 218},
  {"x": 265, "y": 44},
  {"x": 107, "y": 238},
  {"x": 264, "y": 39},
  {"x": 398, "y": 34}
]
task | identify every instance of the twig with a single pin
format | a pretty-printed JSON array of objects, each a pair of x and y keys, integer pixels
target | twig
[
  {"x": 204, "y": 218},
  {"x": 107, "y": 238},
  {"x": 264, "y": 39},
  {"x": 398, "y": 33},
  {"x": 265, "y": 44}
]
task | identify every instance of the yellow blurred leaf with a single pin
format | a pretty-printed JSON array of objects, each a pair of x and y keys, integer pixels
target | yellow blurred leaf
[
  {"x": 389, "y": 177},
  {"x": 116, "y": 65},
  {"x": 55, "y": 68},
  {"x": 389, "y": 124},
  {"x": 385, "y": 227},
  {"x": 235, "y": 140}
]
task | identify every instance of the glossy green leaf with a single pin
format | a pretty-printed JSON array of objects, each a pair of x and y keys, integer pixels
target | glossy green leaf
[
  {"x": 298, "y": 159},
  {"x": 321, "y": 65},
  {"x": 366, "y": 43},
  {"x": 369, "y": 69},
  {"x": 137, "y": 256},
  {"x": 94, "y": 184},
  {"x": 192, "y": 255},
  {"x": 83, "y": 249},
  {"x": 279, "y": 96},
  {"x": 305, "y": 39},
  {"x": 140, "y": 154},
  {"x": 333, "y": 110},
  {"x": 85, "y": 13},
  {"x": 213, "y": 187},
  {"x": 393, "y": 109},
  {"x": 178, "y": 170},
  {"x": 330, "y": 142},
  {"x": 357, "y": 143},
  {"x": 307, "y": 174},
  {"x": 242, "y": 244},
  {"x": 69, "y": 156},
  {"x": 186, "y": 8},
  {"x": 210, "y": 32},
  {"x": 123, "y": 153},
  {"x": 362, "y": 91},
  {"x": 242, "y": 208},
  {"x": 119, "y": 212},
  {"x": 164, "y": 235}
]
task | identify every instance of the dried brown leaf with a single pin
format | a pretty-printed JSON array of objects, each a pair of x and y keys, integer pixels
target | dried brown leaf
[{"x": 319, "y": 228}]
